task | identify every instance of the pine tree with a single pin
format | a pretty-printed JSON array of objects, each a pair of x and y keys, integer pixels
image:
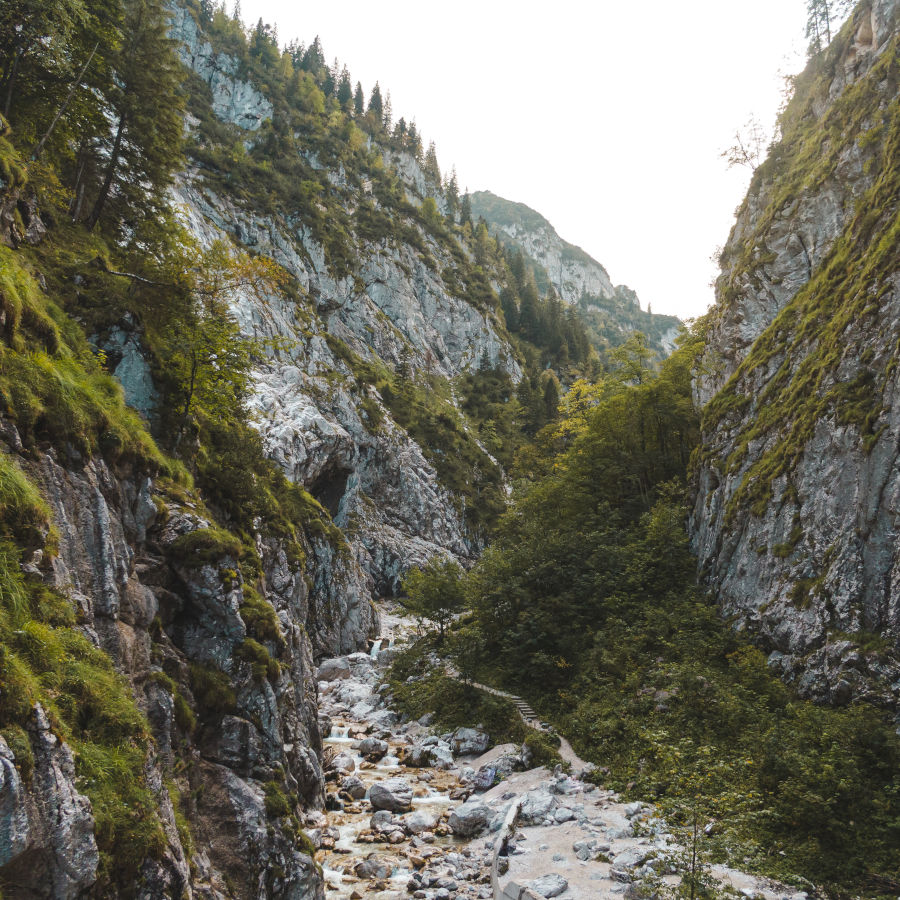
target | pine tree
[
  {"x": 451, "y": 193},
  {"x": 345, "y": 90},
  {"x": 551, "y": 398},
  {"x": 314, "y": 59},
  {"x": 376, "y": 106},
  {"x": 820, "y": 15},
  {"x": 465, "y": 211},
  {"x": 146, "y": 143},
  {"x": 387, "y": 115},
  {"x": 414, "y": 142},
  {"x": 359, "y": 100},
  {"x": 431, "y": 167}
]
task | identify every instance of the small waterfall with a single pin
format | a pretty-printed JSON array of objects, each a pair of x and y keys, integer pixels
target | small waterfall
[
  {"x": 339, "y": 733},
  {"x": 376, "y": 647}
]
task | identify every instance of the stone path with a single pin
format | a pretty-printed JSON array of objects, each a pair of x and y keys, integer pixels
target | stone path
[{"x": 529, "y": 717}]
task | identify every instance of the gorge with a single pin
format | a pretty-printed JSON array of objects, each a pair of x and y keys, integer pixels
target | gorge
[{"x": 265, "y": 371}]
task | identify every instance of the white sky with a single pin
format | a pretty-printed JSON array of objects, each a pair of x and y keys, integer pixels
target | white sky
[{"x": 606, "y": 117}]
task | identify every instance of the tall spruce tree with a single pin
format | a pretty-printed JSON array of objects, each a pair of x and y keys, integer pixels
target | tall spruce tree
[{"x": 146, "y": 108}]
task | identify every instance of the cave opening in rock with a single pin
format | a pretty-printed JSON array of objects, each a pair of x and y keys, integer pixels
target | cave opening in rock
[{"x": 329, "y": 487}]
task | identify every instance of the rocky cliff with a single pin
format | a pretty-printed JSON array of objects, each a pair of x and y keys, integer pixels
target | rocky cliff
[
  {"x": 169, "y": 745},
  {"x": 795, "y": 520},
  {"x": 396, "y": 307}
]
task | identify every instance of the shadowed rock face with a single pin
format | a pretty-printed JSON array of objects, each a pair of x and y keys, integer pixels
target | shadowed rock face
[
  {"x": 47, "y": 846},
  {"x": 816, "y": 559},
  {"x": 152, "y": 610}
]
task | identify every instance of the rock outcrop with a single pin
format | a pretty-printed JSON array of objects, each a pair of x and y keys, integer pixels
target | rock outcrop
[
  {"x": 797, "y": 488},
  {"x": 170, "y": 618}
]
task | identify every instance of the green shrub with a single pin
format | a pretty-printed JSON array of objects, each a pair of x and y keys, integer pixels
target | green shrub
[
  {"x": 206, "y": 545},
  {"x": 18, "y": 741},
  {"x": 261, "y": 663},
  {"x": 278, "y": 803},
  {"x": 212, "y": 690},
  {"x": 260, "y": 617}
]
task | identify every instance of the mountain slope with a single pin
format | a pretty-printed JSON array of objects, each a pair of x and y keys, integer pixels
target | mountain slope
[
  {"x": 610, "y": 313},
  {"x": 795, "y": 517}
]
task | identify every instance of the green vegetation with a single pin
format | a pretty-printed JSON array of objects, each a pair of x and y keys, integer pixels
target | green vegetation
[
  {"x": 823, "y": 330},
  {"x": 435, "y": 592},
  {"x": 213, "y": 692},
  {"x": 457, "y": 705},
  {"x": 589, "y": 591}
]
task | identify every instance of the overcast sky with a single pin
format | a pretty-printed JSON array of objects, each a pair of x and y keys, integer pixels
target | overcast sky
[{"x": 606, "y": 117}]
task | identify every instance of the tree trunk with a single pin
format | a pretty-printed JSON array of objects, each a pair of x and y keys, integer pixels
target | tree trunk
[
  {"x": 39, "y": 149},
  {"x": 11, "y": 80},
  {"x": 97, "y": 211}
]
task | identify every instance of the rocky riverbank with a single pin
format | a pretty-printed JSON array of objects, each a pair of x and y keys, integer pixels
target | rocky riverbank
[{"x": 415, "y": 813}]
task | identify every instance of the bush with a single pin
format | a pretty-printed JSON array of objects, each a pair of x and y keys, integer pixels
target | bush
[
  {"x": 206, "y": 545},
  {"x": 212, "y": 690}
]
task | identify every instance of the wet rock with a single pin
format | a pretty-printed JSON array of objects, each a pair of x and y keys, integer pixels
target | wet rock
[
  {"x": 372, "y": 867},
  {"x": 373, "y": 747},
  {"x": 343, "y": 762},
  {"x": 419, "y": 821},
  {"x": 353, "y": 786},
  {"x": 470, "y": 818},
  {"x": 333, "y": 669},
  {"x": 392, "y": 794},
  {"x": 431, "y": 752}
]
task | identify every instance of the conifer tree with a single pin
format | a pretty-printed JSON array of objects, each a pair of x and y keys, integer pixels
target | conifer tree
[
  {"x": 359, "y": 100},
  {"x": 431, "y": 167},
  {"x": 146, "y": 141},
  {"x": 313, "y": 59},
  {"x": 451, "y": 192},
  {"x": 376, "y": 104},
  {"x": 465, "y": 209},
  {"x": 345, "y": 90},
  {"x": 387, "y": 115}
]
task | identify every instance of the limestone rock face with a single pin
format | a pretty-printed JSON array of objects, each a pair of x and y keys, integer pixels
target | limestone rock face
[
  {"x": 233, "y": 99},
  {"x": 317, "y": 422},
  {"x": 795, "y": 522},
  {"x": 154, "y": 608},
  {"x": 47, "y": 846},
  {"x": 571, "y": 271}
]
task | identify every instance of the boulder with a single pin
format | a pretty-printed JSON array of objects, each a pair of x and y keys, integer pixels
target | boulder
[
  {"x": 419, "y": 821},
  {"x": 334, "y": 669},
  {"x": 469, "y": 742},
  {"x": 354, "y": 787},
  {"x": 536, "y": 806},
  {"x": 549, "y": 885},
  {"x": 631, "y": 858},
  {"x": 372, "y": 867},
  {"x": 470, "y": 818},
  {"x": 373, "y": 747},
  {"x": 431, "y": 752},
  {"x": 343, "y": 762},
  {"x": 392, "y": 794}
]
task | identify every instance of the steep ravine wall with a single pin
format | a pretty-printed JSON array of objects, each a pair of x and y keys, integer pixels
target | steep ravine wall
[
  {"x": 394, "y": 310},
  {"x": 798, "y": 483},
  {"x": 166, "y": 616}
]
